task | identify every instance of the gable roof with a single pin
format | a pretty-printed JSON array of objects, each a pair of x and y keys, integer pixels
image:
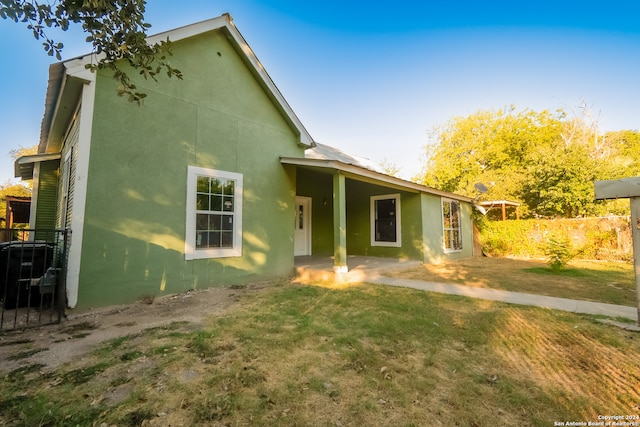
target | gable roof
[{"x": 66, "y": 79}]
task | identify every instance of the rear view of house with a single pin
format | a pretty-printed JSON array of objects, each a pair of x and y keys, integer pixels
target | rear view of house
[{"x": 213, "y": 181}]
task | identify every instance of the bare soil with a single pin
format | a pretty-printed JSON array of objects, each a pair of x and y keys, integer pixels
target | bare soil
[{"x": 83, "y": 331}]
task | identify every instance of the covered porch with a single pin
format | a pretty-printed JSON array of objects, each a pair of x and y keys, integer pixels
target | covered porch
[
  {"x": 334, "y": 205},
  {"x": 345, "y": 209}
]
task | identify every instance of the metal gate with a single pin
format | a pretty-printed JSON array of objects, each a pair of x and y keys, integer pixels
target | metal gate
[{"x": 32, "y": 277}]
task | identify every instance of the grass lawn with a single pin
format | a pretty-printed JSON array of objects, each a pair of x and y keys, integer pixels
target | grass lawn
[
  {"x": 359, "y": 355},
  {"x": 608, "y": 282}
]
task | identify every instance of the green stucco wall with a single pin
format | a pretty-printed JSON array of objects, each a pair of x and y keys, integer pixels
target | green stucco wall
[
  {"x": 359, "y": 222},
  {"x": 218, "y": 117},
  {"x": 433, "y": 233},
  {"x": 318, "y": 186}
]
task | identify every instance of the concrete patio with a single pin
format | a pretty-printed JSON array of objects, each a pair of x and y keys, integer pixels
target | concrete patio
[{"x": 360, "y": 267}]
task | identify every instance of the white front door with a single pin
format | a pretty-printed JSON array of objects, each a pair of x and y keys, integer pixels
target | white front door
[{"x": 302, "y": 244}]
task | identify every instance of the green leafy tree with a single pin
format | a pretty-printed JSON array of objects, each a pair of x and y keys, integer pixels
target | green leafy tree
[
  {"x": 625, "y": 158},
  {"x": 390, "y": 168},
  {"x": 493, "y": 147},
  {"x": 22, "y": 151},
  {"x": 560, "y": 182},
  {"x": 545, "y": 160},
  {"x": 116, "y": 29}
]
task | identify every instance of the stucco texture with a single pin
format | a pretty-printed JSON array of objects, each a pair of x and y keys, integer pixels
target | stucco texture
[{"x": 217, "y": 117}]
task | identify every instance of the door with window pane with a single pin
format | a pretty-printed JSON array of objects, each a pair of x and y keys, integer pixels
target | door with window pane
[{"x": 302, "y": 238}]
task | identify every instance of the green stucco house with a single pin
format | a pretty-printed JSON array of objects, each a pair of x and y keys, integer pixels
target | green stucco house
[{"x": 213, "y": 181}]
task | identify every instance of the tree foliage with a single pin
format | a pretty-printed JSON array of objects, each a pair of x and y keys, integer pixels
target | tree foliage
[
  {"x": 16, "y": 153},
  {"x": 389, "y": 167},
  {"x": 545, "y": 160},
  {"x": 116, "y": 30}
]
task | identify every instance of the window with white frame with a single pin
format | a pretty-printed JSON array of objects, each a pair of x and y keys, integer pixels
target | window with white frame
[
  {"x": 385, "y": 220},
  {"x": 451, "y": 225},
  {"x": 214, "y": 214}
]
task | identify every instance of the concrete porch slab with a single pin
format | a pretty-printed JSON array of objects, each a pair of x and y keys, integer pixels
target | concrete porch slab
[{"x": 310, "y": 268}]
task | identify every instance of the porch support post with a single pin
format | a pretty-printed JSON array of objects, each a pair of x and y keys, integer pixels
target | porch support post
[{"x": 339, "y": 224}]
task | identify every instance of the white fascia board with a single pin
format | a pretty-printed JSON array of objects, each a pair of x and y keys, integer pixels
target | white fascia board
[
  {"x": 75, "y": 76},
  {"x": 224, "y": 21},
  {"x": 305, "y": 137},
  {"x": 358, "y": 172},
  {"x": 191, "y": 29},
  {"x": 77, "y": 68},
  {"x": 80, "y": 192}
]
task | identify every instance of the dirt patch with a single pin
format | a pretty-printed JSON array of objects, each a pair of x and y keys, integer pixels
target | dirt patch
[{"x": 82, "y": 331}]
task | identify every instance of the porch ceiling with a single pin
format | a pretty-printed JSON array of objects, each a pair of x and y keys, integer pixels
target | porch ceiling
[{"x": 366, "y": 175}]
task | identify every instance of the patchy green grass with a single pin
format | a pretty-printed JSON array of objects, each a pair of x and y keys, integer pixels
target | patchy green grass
[
  {"x": 607, "y": 282},
  {"x": 359, "y": 355},
  {"x": 25, "y": 354}
]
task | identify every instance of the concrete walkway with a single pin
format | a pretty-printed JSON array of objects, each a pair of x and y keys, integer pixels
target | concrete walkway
[
  {"x": 554, "y": 303},
  {"x": 371, "y": 269}
]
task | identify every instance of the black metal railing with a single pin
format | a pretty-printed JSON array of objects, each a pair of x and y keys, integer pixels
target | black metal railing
[{"x": 32, "y": 277}]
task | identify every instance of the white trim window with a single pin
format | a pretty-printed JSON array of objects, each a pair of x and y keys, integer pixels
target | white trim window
[
  {"x": 451, "y": 225},
  {"x": 214, "y": 214},
  {"x": 385, "y": 220}
]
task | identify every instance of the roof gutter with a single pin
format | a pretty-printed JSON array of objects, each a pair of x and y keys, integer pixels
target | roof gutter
[{"x": 54, "y": 88}]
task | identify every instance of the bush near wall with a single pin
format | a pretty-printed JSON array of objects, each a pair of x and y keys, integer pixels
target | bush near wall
[{"x": 607, "y": 238}]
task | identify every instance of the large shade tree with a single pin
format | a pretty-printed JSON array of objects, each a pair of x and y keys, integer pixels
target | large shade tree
[
  {"x": 545, "y": 160},
  {"x": 116, "y": 30}
]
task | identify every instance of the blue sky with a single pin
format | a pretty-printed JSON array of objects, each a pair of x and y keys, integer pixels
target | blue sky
[{"x": 373, "y": 78}]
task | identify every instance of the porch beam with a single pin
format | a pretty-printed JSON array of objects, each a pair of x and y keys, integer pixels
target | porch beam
[
  {"x": 365, "y": 175},
  {"x": 626, "y": 188},
  {"x": 339, "y": 224}
]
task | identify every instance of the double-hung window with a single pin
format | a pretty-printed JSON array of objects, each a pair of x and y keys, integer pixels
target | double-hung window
[
  {"x": 214, "y": 214},
  {"x": 385, "y": 220},
  {"x": 451, "y": 225}
]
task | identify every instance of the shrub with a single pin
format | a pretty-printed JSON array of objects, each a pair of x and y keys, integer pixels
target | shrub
[
  {"x": 559, "y": 253},
  {"x": 596, "y": 238}
]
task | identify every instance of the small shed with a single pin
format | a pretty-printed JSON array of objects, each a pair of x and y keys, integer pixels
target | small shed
[{"x": 18, "y": 212}]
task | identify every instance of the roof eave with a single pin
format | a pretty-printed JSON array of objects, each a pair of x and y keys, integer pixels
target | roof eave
[
  {"x": 64, "y": 90},
  {"x": 360, "y": 173},
  {"x": 224, "y": 22},
  {"x": 237, "y": 40},
  {"x": 250, "y": 58},
  {"x": 23, "y": 166}
]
